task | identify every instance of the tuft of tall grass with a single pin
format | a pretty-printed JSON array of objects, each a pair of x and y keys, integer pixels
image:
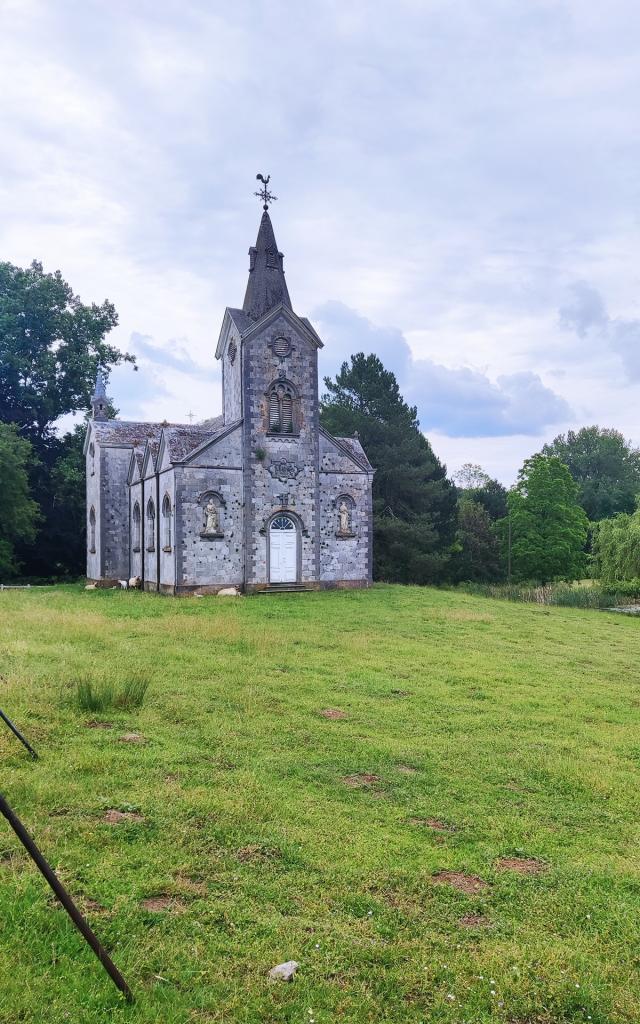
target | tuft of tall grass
[
  {"x": 92, "y": 695},
  {"x": 566, "y": 595}
]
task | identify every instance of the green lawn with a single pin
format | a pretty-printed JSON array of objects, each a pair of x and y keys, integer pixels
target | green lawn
[{"x": 513, "y": 726}]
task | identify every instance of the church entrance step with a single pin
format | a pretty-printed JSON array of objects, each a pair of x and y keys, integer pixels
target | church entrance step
[{"x": 286, "y": 588}]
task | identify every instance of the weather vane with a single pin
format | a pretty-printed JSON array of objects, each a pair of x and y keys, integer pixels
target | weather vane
[{"x": 264, "y": 192}]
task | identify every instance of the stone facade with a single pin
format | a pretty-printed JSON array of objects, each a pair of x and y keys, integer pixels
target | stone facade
[{"x": 260, "y": 497}]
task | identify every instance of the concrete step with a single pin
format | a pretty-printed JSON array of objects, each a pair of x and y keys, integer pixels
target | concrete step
[{"x": 286, "y": 588}]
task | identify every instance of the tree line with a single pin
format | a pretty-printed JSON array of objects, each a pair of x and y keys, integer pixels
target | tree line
[{"x": 571, "y": 512}]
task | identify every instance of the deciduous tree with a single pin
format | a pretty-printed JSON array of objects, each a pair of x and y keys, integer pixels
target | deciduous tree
[
  {"x": 549, "y": 528},
  {"x": 605, "y": 467}
]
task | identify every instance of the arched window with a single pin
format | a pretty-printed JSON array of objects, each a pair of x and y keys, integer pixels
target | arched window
[
  {"x": 281, "y": 400},
  {"x": 92, "y": 530},
  {"x": 136, "y": 527},
  {"x": 151, "y": 526},
  {"x": 92, "y": 453},
  {"x": 166, "y": 523}
]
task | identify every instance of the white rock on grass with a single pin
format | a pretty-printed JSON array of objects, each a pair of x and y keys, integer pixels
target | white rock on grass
[{"x": 284, "y": 972}]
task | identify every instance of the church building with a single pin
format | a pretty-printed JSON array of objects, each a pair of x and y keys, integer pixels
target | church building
[{"x": 259, "y": 498}]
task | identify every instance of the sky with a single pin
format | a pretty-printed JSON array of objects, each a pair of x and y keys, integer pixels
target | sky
[{"x": 458, "y": 191}]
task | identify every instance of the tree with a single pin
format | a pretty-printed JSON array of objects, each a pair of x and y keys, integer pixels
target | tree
[
  {"x": 549, "y": 528},
  {"x": 18, "y": 513},
  {"x": 477, "y": 544},
  {"x": 478, "y": 486},
  {"x": 604, "y": 465},
  {"x": 616, "y": 548},
  {"x": 413, "y": 502},
  {"x": 51, "y": 348}
]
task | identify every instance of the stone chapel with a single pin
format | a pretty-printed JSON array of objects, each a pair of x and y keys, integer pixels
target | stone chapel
[{"x": 259, "y": 498}]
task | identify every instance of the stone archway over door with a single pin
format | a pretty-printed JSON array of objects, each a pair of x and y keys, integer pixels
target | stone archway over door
[{"x": 283, "y": 550}]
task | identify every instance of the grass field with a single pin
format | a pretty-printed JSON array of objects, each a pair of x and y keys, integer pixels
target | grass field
[{"x": 474, "y": 731}]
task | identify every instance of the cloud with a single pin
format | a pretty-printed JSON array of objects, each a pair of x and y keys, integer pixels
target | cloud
[
  {"x": 584, "y": 310},
  {"x": 173, "y": 355},
  {"x": 460, "y": 402},
  {"x": 586, "y": 314}
]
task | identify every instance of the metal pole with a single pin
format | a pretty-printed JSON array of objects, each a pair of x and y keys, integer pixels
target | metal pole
[
  {"x": 16, "y": 732},
  {"x": 64, "y": 897}
]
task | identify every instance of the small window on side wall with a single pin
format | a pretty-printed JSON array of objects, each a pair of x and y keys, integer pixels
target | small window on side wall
[
  {"x": 136, "y": 527},
  {"x": 166, "y": 523},
  {"x": 151, "y": 526},
  {"x": 92, "y": 530}
]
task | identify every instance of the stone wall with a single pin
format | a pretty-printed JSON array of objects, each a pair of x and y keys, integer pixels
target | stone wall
[
  {"x": 114, "y": 511},
  {"x": 295, "y": 485},
  {"x": 135, "y": 557},
  {"x": 232, "y": 379},
  {"x": 210, "y": 561},
  {"x": 93, "y": 469},
  {"x": 167, "y": 551}
]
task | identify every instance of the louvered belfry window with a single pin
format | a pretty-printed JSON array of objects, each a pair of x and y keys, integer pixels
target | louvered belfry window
[{"x": 281, "y": 408}]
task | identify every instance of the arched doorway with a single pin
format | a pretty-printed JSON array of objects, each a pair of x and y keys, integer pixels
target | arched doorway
[{"x": 283, "y": 550}]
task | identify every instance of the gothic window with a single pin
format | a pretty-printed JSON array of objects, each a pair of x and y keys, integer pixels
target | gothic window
[
  {"x": 282, "y": 402},
  {"x": 151, "y": 526},
  {"x": 166, "y": 523},
  {"x": 136, "y": 527},
  {"x": 92, "y": 453},
  {"x": 92, "y": 530}
]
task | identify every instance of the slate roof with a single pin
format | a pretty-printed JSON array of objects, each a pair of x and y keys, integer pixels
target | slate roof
[
  {"x": 240, "y": 319},
  {"x": 181, "y": 441},
  {"x": 356, "y": 449},
  {"x": 126, "y": 432},
  {"x": 266, "y": 286}
]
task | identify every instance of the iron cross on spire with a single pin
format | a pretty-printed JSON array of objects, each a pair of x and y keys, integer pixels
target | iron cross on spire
[{"x": 264, "y": 192}]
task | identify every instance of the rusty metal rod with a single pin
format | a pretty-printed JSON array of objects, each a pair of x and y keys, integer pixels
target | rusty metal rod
[
  {"x": 64, "y": 897},
  {"x": 16, "y": 732}
]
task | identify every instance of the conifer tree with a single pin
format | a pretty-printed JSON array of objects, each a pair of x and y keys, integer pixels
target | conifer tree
[{"x": 414, "y": 505}]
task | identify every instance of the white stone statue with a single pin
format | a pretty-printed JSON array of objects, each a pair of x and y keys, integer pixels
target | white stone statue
[
  {"x": 211, "y": 525},
  {"x": 344, "y": 518}
]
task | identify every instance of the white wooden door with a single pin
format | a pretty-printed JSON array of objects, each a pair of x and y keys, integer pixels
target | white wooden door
[{"x": 283, "y": 550}]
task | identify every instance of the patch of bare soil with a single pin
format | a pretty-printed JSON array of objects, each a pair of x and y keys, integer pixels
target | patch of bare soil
[
  {"x": 95, "y": 724},
  {"x": 113, "y": 817},
  {"x": 434, "y": 823},
  {"x": 469, "y": 884},
  {"x": 333, "y": 713},
  {"x": 172, "y": 777},
  {"x": 522, "y": 865},
  {"x": 132, "y": 737},
  {"x": 257, "y": 853},
  {"x": 89, "y": 906},
  {"x": 361, "y": 780},
  {"x": 474, "y": 921},
  {"x": 406, "y": 769},
  {"x": 159, "y": 904},
  {"x": 195, "y": 886}
]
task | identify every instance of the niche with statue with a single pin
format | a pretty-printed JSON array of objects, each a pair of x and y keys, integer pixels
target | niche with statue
[{"x": 212, "y": 507}]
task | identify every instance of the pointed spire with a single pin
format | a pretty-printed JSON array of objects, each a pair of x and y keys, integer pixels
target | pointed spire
[
  {"x": 99, "y": 400},
  {"x": 266, "y": 287}
]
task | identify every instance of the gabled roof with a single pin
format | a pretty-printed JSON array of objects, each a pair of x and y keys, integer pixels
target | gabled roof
[
  {"x": 135, "y": 465},
  {"x": 216, "y": 435},
  {"x": 299, "y": 323},
  {"x": 351, "y": 447}
]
